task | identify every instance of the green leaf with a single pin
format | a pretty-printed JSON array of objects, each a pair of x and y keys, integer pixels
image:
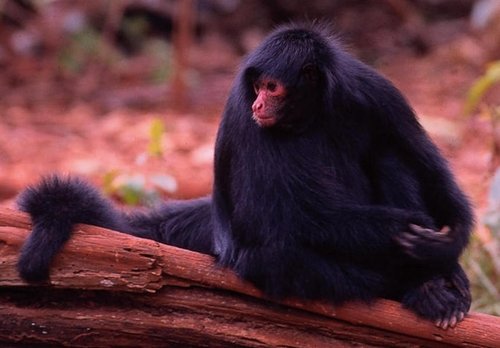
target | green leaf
[
  {"x": 133, "y": 189},
  {"x": 108, "y": 181},
  {"x": 481, "y": 86},
  {"x": 156, "y": 132}
]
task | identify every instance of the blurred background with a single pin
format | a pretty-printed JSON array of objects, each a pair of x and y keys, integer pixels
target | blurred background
[{"x": 128, "y": 93}]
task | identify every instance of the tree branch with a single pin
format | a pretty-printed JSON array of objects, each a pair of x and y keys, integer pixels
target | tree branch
[{"x": 186, "y": 298}]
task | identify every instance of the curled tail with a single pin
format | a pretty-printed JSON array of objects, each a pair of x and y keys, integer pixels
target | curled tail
[{"x": 55, "y": 205}]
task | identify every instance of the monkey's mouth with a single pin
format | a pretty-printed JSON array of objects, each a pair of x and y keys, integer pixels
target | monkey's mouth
[{"x": 264, "y": 120}]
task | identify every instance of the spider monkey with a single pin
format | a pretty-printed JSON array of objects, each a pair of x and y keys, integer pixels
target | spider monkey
[{"x": 325, "y": 187}]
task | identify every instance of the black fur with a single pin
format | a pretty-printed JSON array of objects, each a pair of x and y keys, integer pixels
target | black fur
[
  {"x": 57, "y": 204},
  {"x": 344, "y": 198}
]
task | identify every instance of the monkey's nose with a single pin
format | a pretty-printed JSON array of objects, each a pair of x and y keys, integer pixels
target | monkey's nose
[{"x": 257, "y": 106}]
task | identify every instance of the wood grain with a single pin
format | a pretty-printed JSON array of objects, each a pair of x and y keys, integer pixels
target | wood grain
[{"x": 108, "y": 288}]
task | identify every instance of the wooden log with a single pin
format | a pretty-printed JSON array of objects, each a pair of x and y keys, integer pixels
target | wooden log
[{"x": 92, "y": 300}]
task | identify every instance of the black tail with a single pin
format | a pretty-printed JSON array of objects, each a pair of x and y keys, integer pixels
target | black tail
[{"x": 56, "y": 205}]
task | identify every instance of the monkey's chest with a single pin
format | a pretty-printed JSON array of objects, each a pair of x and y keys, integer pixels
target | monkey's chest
[{"x": 279, "y": 202}]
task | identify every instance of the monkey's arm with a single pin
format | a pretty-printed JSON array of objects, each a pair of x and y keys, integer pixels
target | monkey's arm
[
  {"x": 441, "y": 197},
  {"x": 362, "y": 231}
]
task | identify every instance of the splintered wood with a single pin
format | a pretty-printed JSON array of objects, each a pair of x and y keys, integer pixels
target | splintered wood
[{"x": 111, "y": 289}]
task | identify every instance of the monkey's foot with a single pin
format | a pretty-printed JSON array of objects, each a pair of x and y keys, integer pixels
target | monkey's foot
[{"x": 444, "y": 300}]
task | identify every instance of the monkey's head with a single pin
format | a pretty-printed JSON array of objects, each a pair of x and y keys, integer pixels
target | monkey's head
[
  {"x": 269, "y": 104},
  {"x": 284, "y": 79}
]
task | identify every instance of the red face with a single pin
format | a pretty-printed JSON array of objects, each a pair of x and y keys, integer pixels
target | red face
[{"x": 269, "y": 101}]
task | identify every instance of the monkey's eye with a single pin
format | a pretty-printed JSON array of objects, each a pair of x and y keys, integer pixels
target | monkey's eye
[{"x": 271, "y": 86}]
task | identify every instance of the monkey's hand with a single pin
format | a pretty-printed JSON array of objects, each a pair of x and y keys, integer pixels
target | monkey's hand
[{"x": 424, "y": 243}]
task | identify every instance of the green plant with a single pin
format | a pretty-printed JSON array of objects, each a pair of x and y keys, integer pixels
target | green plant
[
  {"x": 484, "y": 277},
  {"x": 481, "y": 86},
  {"x": 142, "y": 189},
  {"x": 84, "y": 48},
  {"x": 160, "y": 53},
  {"x": 482, "y": 260}
]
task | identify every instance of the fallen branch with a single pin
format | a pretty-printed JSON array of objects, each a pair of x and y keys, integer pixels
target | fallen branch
[{"x": 90, "y": 301}]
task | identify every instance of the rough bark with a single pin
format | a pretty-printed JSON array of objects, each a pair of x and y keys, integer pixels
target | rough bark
[{"x": 112, "y": 289}]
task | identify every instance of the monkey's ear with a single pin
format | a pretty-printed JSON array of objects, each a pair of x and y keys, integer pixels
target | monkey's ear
[
  {"x": 310, "y": 72},
  {"x": 251, "y": 74}
]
